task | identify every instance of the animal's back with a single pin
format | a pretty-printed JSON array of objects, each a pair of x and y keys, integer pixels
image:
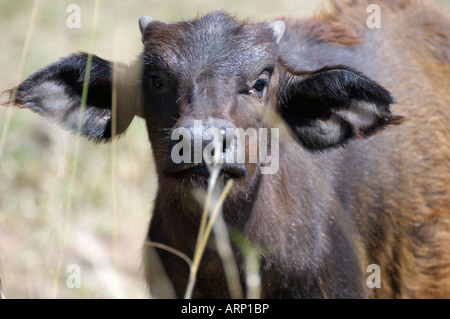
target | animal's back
[{"x": 397, "y": 183}]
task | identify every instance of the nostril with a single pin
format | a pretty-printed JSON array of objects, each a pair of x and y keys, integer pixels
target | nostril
[
  {"x": 229, "y": 143},
  {"x": 224, "y": 146}
]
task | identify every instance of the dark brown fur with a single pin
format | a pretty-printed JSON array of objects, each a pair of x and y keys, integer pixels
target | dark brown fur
[
  {"x": 396, "y": 185},
  {"x": 400, "y": 192}
]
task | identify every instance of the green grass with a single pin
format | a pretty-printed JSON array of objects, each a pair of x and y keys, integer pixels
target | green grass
[{"x": 105, "y": 226}]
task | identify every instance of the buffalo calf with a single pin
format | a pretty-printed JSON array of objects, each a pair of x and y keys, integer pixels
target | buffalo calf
[{"x": 335, "y": 187}]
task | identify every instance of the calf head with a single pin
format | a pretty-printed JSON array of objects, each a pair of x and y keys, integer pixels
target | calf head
[{"x": 196, "y": 80}]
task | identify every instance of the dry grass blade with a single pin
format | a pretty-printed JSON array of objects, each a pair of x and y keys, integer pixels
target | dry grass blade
[
  {"x": 160, "y": 282},
  {"x": 23, "y": 58},
  {"x": 222, "y": 238},
  {"x": 2, "y": 295},
  {"x": 252, "y": 260},
  {"x": 205, "y": 231},
  {"x": 224, "y": 247},
  {"x": 69, "y": 197},
  {"x": 114, "y": 163},
  {"x": 170, "y": 250}
]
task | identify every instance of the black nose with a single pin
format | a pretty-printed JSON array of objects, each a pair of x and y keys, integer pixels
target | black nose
[{"x": 198, "y": 143}]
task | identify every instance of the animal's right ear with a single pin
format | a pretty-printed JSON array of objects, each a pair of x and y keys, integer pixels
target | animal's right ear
[{"x": 56, "y": 92}]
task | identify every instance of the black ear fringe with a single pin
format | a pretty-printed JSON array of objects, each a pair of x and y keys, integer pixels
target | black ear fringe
[
  {"x": 382, "y": 124},
  {"x": 13, "y": 98},
  {"x": 7, "y": 101},
  {"x": 302, "y": 82}
]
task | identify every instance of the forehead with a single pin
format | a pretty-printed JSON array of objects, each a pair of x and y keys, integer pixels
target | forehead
[{"x": 216, "y": 41}]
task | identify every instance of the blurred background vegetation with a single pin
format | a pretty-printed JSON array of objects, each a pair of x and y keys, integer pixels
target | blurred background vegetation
[{"x": 104, "y": 229}]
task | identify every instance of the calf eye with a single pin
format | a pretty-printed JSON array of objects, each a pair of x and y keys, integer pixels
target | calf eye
[
  {"x": 157, "y": 82},
  {"x": 259, "y": 85}
]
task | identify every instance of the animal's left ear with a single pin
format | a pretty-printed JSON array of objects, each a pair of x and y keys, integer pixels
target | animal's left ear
[{"x": 327, "y": 107}]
